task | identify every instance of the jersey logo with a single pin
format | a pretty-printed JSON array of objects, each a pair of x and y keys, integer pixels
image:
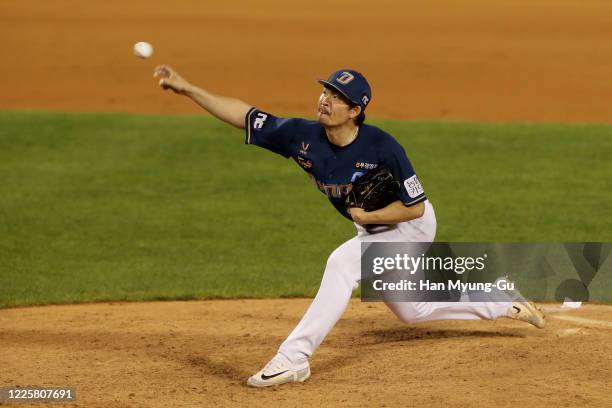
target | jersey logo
[
  {"x": 304, "y": 149},
  {"x": 332, "y": 190},
  {"x": 413, "y": 186},
  {"x": 305, "y": 163},
  {"x": 345, "y": 78},
  {"x": 260, "y": 120},
  {"x": 367, "y": 166}
]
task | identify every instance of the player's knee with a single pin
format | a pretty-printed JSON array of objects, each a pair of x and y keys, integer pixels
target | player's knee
[
  {"x": 408, "y": 316},
  {"x": 334, "y": 261},
  {"x": 339, "y": 267},
  {"x": 411, "y": 312}
]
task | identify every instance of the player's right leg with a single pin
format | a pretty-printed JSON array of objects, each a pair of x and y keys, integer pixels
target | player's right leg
[
  {"x": 416, "y": 312},
  {"x": 490, "y": 306},
  {"x": 515, "y": 307}
]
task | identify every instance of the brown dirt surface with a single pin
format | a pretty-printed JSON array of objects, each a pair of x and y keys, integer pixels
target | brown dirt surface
[
  {"x": 502, "y": 60},
  {"x": 201, "y": 353}
]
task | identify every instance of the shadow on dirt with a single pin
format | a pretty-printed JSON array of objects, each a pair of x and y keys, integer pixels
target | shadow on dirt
[
  {"x": 225, "y": 369},
  {"x": 417, "y": 333}
]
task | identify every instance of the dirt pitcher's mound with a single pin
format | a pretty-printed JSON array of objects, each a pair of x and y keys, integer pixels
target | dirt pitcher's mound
[{"x": 201, "y": 353}]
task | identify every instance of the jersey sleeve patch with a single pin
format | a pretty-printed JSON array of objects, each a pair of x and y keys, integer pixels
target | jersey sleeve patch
[
  {"x": 413, "y": 186},
  {"x": 267, "y": 131},
  {"x": 254, "y": 122},
  {"x": 260, "y": 121}
]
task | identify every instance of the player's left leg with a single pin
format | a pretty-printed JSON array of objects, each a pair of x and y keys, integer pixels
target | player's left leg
[{"x": 341, "y": 277}]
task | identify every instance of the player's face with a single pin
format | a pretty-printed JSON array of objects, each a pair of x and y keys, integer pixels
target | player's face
[{"x": 333, "y": 110}]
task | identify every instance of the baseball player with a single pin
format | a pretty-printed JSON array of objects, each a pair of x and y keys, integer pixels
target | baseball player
[{"x": 334, "y": 151}]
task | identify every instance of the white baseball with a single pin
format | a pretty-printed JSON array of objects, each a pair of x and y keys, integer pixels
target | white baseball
[{"x": 143, "y": 49}]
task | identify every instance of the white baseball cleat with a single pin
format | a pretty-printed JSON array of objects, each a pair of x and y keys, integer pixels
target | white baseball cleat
[
  {"x": 527, "y": 312},
  {"x": 279, "y": 371}
]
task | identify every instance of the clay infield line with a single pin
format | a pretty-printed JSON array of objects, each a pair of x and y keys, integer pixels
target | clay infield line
[{"x": 584, "y": 321}]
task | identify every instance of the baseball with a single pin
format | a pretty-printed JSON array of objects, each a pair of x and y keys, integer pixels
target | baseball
[{"x": 143, "y": 49}]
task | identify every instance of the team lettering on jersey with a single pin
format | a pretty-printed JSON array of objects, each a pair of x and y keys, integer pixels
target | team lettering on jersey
[{"x": 332, "y": 190}]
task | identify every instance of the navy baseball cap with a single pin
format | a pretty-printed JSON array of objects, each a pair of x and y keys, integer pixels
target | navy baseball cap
[{"x": 352, "y": 85}]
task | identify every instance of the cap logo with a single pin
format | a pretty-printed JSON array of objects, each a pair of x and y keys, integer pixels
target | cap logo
[
  {"x": 365, "y": 100},
  {"x": 345, "y": 78}
]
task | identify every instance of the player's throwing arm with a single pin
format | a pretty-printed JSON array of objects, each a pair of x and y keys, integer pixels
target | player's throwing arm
[{"x": 229, "y": 110}]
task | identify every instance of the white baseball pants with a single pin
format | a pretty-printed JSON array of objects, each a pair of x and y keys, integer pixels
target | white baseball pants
[{"x": 342, "y": 275}]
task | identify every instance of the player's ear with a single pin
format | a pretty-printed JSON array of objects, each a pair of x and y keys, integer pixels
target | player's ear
[{"x": 355, "y": 111}]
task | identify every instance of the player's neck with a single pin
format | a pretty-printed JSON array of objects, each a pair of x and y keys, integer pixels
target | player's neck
[{"x": 342, "y": 135}]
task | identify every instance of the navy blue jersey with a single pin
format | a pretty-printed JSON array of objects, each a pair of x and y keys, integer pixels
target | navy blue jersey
[{"x": 333, "y": 168}]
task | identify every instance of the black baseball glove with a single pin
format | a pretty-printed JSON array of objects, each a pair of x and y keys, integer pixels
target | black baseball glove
[{"x": 374, "y": 190}]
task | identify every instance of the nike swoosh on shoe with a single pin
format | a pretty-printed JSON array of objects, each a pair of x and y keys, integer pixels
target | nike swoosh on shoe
[{"x": 267, "y": 377}]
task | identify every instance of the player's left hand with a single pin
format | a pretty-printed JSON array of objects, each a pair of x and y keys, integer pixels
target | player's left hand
[{"x": 359, "y": 215}]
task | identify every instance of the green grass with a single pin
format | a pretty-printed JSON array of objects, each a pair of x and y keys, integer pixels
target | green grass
[{"x": 128, "y": 207}]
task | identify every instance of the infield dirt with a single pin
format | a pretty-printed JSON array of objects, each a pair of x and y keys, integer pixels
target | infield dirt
[{"x": 200, "y": 353}]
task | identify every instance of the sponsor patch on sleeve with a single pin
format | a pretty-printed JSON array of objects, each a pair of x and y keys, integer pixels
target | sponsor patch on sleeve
[{"x": 413, "y": 186}]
